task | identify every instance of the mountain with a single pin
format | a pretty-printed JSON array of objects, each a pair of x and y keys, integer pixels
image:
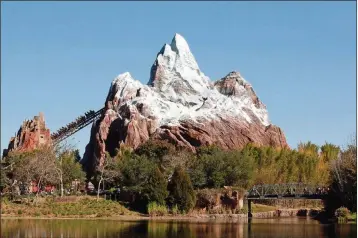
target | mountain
[
  {"x": 31, "y": 135},
  {"x": 183, "y": 106}
]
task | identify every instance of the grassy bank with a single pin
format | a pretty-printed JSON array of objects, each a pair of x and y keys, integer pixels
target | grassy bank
[
  {"x": 85, "y": 207},
  {"x": 89, "y": 207}
]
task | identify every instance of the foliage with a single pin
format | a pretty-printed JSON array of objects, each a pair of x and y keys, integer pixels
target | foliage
[
  {"x": 155, "y": 150},
  {"x": 77, "y": 156},
  {"x": 181, "y": 190},
  {"x": 142, "y": 178},
  {"x": 4, "y": 175},
  {"x": 155, "y": 209},
  {"x": 308, "y": 148},
  {"x": 175, "y": 210},
  {"x": 71, "y": 168},
  {"x": 144, "y": 172},
  {"x": 214, "y": 168},
  {"x": 108, "y": 170},
  {"x": 342, "y": 212},
  {"x": 39, "y": 165},
  {"x": 344, "y": 179},
  {"x": 329, "y": 152}
]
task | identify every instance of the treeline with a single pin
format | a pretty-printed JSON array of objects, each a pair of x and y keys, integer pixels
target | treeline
[
  {"x": 146, "y": 171},
  {"x": 158, "y": 172},
  {"x": 44, "y": 166}
]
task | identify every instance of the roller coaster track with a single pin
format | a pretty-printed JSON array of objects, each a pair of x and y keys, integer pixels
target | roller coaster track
[{"x": 75, "y": 126}]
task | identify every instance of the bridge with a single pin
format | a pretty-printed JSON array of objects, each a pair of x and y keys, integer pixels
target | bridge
[
  {"x": 285, "y": 191},
  {"x": 75, "y": 126}
]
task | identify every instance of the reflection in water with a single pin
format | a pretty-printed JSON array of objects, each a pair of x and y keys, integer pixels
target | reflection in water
[{"x": 257, "y": 228}]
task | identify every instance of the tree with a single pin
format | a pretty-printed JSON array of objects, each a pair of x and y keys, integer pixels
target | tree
[
  {"x": 216, "y": 168},
  {"x": 181, "y": 190},
  {"x": 344, "y": 178},
  {"x": 77, "y": 155},
  {"x": 155, "y": 189},
  {"x": 71, "y": 169},
  {"x": 68, "y": 167},
  {"x": 107, "y": 171},
  {"x": 142, "y": 178},
  {"x": 39, "y": 165},
  {"x": 155, "y": 150},
  {"x": 329, "y": 152},
  {"x": 4, "y": 176},
  {"x": 170, "y": 161},
  {"x": 308, "y": 148}
]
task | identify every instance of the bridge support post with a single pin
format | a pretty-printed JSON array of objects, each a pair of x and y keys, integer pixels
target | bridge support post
[{"x": 249, "y": 213}]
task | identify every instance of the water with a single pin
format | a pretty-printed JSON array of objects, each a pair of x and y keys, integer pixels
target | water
[{"x": 258, "y": 228}]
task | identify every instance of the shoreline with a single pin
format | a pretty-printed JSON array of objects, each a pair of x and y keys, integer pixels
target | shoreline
[{"x": 279, "y": 213}]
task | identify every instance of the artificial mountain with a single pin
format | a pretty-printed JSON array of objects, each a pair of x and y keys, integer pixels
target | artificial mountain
[{"x": 181, "y": 105}]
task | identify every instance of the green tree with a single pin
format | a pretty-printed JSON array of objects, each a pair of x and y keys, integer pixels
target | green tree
[
  {"x": 155, "y": 189},
  {"x": 216, "y": 168},
  {"x": 329, "y": 152},
  {"x": 77, "y": 155},
  {"x": 142, "y": 178},
  {"x": 308, "y": 148},
  {"x": 71, "y": 168},
  {"x": 181, "y": 192},
  {"x": 155, "y": 150}
]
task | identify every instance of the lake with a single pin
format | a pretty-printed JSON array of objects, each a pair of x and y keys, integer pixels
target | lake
[{"x": 258, "y": 228}]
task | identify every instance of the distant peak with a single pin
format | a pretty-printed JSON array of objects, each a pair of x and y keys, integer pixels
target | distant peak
[
  {"x": 179, "y": 44},
  {"x": 233, "y": 74},
  {"x": 125, "y": 75}
]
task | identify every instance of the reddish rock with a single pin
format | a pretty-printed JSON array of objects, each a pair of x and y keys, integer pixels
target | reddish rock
[{"x": 32, "y": 134}]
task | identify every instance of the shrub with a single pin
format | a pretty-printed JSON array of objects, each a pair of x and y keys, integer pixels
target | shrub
[
  {"x": 155, "y": 209},
  {"x": 181, "y": 191},
  {"x": 342, "y": 212},
  {"x": 19, "y": 211},
  {"x": 100, "y": 214},
  {"x": 175, "y": 210},
  {"x": 240, "y": 211}
]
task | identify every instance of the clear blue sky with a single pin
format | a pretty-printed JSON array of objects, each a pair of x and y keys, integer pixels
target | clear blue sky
[{"x": 300, "y": 57}]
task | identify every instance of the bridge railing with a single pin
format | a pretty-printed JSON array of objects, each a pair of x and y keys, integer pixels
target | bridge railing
[{"x": 286, "y": 190}]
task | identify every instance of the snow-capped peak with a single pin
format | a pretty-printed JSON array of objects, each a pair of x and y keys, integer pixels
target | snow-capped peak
[
  {"x": 178, "y": 90},
  {"x": 179, "y": 44},
  {"x": 176, "y": 73}
]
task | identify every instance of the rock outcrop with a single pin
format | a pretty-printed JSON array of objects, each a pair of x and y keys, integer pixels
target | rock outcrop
[
  {"x": 32, "y": 134},
  {"x": 181, "y": 105}
]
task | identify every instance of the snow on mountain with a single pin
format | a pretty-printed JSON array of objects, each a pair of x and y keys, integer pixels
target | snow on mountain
[{"x": 178, "y": 90}]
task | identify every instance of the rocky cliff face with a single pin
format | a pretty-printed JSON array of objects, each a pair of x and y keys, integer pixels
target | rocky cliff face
[
  {"x": 32, "y": 134},
  {"x": 180, "y": 104}
]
